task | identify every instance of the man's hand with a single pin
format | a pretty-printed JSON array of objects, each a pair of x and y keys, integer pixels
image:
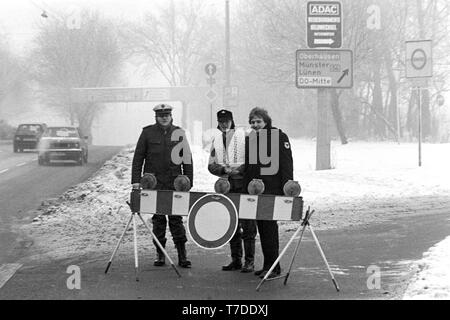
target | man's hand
[
  {"x": 234, "y": 172},
  {"x": 136, "y": 185},
  {"x": 227, "y": 170}
]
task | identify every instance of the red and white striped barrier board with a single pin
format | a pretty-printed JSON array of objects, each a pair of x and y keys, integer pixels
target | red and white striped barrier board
[{"x": 254, "y": 207}]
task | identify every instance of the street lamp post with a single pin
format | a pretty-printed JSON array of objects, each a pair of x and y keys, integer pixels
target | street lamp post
[{"x": 227, "y": 44}]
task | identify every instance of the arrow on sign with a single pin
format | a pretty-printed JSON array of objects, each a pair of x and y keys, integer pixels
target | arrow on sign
[
  {"x": 323, "y": 41},
  {"x": 344, "y": 73},
  {"x": 210, "y": 69}
]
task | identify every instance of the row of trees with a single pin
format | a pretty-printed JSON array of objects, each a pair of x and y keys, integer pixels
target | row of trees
[
  {"x": 13, "y": 80},
  {"x": 380, "y": 90},
  {"x": 181, "y": 37}
]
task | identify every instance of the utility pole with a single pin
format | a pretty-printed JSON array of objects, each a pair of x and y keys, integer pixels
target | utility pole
[
  {"x": 227, "y": 44},
  {"x": 323, "y": 143}
]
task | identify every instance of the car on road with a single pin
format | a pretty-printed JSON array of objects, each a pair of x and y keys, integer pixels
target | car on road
[
  {"x": 27, "y": 136},
  {"x": 63, "y": 143}
]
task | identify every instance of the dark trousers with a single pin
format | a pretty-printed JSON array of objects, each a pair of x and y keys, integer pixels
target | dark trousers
[
  {"x": 176, "y": 228},
  {"x": 268, "y": 235},
  {"x": 246, "y": 230}
]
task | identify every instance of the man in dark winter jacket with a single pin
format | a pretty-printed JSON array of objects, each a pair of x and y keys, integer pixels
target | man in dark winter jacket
[
  {"x": 157, "y": 152},
  {"x": 227, "y": 159},
  {"x": 268, "y": 157}
]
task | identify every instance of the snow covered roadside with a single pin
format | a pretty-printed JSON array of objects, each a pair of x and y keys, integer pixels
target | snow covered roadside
[
  {"x": 432, "y": 281},
  {"x": 372, "y": 182}
]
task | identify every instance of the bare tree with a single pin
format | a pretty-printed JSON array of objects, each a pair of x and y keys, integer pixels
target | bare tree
[
  {"x": 429, "y": 20},
  {"x": 67, "y": 58},
  {"x": 14, "y": 86},
  {"x": 276, "y": 30},
  {"x": 176, "y": 42}
]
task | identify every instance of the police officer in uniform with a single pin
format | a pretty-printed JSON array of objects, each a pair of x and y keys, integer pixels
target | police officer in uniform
[
  {"x": 153, "y": 154},
  {"x": 227, "y": 159}
]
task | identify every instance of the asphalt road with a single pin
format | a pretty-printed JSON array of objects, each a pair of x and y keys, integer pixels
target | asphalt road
[
  {"x": 390, "y": 246},
  {"x": 24, "y": 185}
]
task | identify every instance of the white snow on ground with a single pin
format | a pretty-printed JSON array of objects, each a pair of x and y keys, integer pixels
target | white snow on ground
[
  {"x": 370, "y": 182},
  {"x": 432, "y": 281}
]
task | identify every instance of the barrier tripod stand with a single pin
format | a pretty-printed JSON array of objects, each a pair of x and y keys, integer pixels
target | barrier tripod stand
[
  {"x": 302, "y": 227},
  {"x": 155, "y": 239}
]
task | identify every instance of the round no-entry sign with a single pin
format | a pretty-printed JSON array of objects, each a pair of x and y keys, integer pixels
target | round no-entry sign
[
  {"x": 418, "y": 59},
  {"x": 212, "y": 221}
]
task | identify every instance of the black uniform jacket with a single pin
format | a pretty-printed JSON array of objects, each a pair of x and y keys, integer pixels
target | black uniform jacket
[
  {"x": 273, "y": 183},
  {"x": 153, "y": 154}
]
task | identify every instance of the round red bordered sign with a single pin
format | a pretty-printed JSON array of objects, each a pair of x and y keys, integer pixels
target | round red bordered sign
[
  {"x": 212, "y": 221},
  {"x": 419, "y": 59}
]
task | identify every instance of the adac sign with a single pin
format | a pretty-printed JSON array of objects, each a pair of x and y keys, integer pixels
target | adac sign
[
  {"x": 324, "y": 9},
  {"x": 324, "y": 24}
]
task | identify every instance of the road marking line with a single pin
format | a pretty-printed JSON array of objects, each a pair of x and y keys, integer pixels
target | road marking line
[
  {"x": 7, "y": 271},
  {"x": 21, "y": 164},
  {"x": 3, "y": 171}
]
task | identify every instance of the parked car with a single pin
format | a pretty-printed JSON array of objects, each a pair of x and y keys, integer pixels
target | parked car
[
  {"x": 63, "y": 143},
  {"x": 27, "y": 136}
]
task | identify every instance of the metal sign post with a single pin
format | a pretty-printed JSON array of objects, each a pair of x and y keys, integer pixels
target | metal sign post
[
  {"x": 210, "y": 70},
  {"x": 420, "y": 125},
  {"x": 323, "y": 143},
  {"x": 419, "y": 67}
]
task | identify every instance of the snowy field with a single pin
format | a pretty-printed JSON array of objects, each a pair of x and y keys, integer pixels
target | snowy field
[{"x": 370, "y": 182}]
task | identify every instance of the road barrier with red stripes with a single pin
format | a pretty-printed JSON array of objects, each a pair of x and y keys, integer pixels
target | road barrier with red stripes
[{"x": 255, "y": 207}]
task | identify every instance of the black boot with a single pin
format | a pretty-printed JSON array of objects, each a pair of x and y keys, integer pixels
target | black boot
[
  {"x": 249, "y": 248},
  {"x": 182, "y": 260},
  {"x": 236, "y": 264},
  {"x": 236, "y": 253},
  {"x": 160, "y": 260}
]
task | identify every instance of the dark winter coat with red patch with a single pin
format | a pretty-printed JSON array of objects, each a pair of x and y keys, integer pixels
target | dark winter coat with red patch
[{"x": 274, "y": 182}]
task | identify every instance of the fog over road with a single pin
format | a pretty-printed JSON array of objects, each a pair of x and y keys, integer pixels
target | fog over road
[{"x": 24, "y": 185}]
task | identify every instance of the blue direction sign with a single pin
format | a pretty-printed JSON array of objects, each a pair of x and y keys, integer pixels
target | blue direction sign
[
  {"x": 210, "y": 69},
  {"x": 324, "y": 69},
  {"x": 324, "y": 24}
]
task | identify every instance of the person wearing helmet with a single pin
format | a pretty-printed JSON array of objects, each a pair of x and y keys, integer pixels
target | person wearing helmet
[
  {"x": 227, "y": 159},
  {"x": 153, "y": 154}
]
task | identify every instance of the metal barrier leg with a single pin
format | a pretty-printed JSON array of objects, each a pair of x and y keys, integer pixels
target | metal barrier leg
[
  {"x": 119, "y": 242},
  {"x": 295, "y": 254},
  {"x": 278, "y": 260},
  {"x": 136, "y": 258},
  {"x": 324, "y": 258},
  {"x": 159, "y": 245}
]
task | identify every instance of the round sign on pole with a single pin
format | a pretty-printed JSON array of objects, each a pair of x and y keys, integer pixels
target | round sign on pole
[
  {"x": 212, "y": 221},
  {"x": 418, "y": 59},
  {"x": 210, "y": 69}
]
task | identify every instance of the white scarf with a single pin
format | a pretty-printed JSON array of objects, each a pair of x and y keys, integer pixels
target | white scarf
[{"x": 234, "y": 156}]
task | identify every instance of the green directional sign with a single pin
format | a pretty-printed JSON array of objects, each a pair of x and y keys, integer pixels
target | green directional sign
[{"x": 324, "y": 68}]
